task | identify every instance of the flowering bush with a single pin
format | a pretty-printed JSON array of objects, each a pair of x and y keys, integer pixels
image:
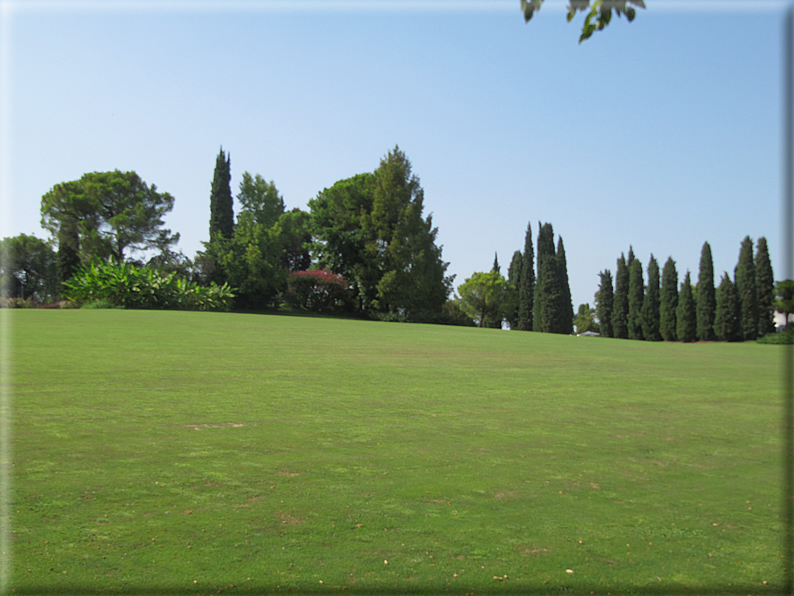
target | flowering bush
[{"x": 318, "y": 291}]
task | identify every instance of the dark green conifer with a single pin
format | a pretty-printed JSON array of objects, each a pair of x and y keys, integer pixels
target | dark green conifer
[
  {"x": 526, "y": 287},
  {"x": 668, "y": 302},
  {"x": 221, "y": 202},
  {"x": 765, "y": 282},
  {"x": 727, "y": 323},
  {"x": 747, "y": 290},
  {"x": 514, "y": 277},
  {"x": 565, "y": 308},
  {"x": 620, "y": 305},
  {"x": 650, "y": 304},
  {"x": 604, "y": 299},
  {"x": 706, "y": 296},
  {"x": 686, "y": 319},
  {"x": 636, "y": 295},
  {"x": 547, "y": 286}
]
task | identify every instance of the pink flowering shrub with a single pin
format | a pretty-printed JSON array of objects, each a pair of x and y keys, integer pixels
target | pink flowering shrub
[{"x": 318, "y": 291}]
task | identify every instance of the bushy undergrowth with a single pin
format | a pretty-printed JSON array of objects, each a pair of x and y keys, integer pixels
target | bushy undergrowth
[
  {"x": 128, "y": 286},
  {"x": 15, "y": 303},
  {"x": 785, "y": 337},
  {"x": 318, "y": 291}
]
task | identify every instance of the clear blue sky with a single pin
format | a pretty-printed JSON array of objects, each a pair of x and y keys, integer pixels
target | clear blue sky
[{"x": 660, "y": 134}]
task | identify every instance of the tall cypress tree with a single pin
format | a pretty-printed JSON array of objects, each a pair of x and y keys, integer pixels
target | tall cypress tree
[
  {"x": 668, "y": 302},
  {"x": 748, "y": 293},
  {"x": 706, "y": 296},
  {"x": 496, "y": 266},
  {"x": 547, "y": 287},
  {"x": 565, "y": 308},
  {"x": 727, "y": 324},
  {"x": 604, "y": 299},
  {"x": 526, "y": 288},
  {"x": 221, "y": 203},
  {"x": 686, "y": 324},
  {"x": 620, "y": 307},
  {"x": 636, "y": 295},
  {"x": 765, "y": 282},
  {"x": 514, "y": 277},
  {"x": 650, "y": 305}
]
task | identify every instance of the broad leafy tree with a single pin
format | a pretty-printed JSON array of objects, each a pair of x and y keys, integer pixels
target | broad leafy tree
[
  {"x": 706, "y": 296},
  {"x": 686, "y": 318},
  {"x": 784, "y": 303},
  {"x": 747, "y": 289},
  {"x": 28, "y": 269},
  {"x": 370, "y": 228},
  {"x": 668, "y": 303},
  {"x": 487, "y": 298},
  {"x": 585, "y": 319},
  {"x": 620, "y": 308},
  {"x": 106, "y": 215},
  {"x": 636, "y": 295},
  {"x": 765, "y": 282},
  {"x": 526, "y": 287},
  {"x": 727, "y": 323},
  {"x": 221, "y": 202},
  {"x": 651, "y": 303},
  {"x": 340, "y": 239},
  {"x": 604, "y": 300}
]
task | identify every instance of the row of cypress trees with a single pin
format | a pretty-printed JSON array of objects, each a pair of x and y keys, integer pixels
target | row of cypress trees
[
  {"x": 544, "y": 298},
  {"x": 742, "y": 309}
]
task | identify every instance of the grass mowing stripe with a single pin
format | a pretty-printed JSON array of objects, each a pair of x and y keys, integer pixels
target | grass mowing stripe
[{"x": 163, "y": 449}]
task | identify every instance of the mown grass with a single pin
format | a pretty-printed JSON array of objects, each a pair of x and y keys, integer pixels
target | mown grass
[{"x": 216, "y": 452}]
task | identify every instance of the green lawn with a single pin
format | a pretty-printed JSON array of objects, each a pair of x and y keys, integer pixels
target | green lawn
[{"x": 238, "y": 453}]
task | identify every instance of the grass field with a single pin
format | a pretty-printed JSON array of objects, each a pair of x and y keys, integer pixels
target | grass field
[{"x": 177, "y": 452}]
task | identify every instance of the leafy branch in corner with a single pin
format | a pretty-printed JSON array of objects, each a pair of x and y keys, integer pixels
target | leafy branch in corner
[{"x": 598, "y": 17}]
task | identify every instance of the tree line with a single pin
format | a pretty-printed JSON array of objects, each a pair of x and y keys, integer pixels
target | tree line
[
  {"x": 739, "y": 309},
  {"x": 528, "y": 300},
  {"x": 367, "y": 234}
]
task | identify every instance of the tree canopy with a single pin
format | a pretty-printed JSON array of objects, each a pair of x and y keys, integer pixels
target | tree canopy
[
  {"x": 107, "y": 214},
  {"x": 371, "y": 229},
  {"x": 598, "y": 14}
]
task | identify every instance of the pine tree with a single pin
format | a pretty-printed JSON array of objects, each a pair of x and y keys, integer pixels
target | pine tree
[
  {"x": 668, "y": 302},
  {"x": 747, "y": 290},
  {"x": 765, "y": 282},
  {"x": 496, "y": 266},
  {"x": 526, "y": 287},
  {"x": 636, "y": 295},
  {"x": 565, "y": 308},
  {"x": 620, "y": 305},
  {"x": 706, "y": 296},
  {"x": 686, "y": 324},
  {"x": 727, "y": 324},
  {"x": 221, "y": 205},
  {"x": 650, "y": 304},
  {"x": 604, "y": 299}
]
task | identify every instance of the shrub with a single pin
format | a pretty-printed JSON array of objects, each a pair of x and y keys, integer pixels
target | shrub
[
  {"x": 15, "y": 303},
  {"x": 784, "y": 337},
  {"x": 125, "y": 285},
  {"x": 318, "y": 291}
]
